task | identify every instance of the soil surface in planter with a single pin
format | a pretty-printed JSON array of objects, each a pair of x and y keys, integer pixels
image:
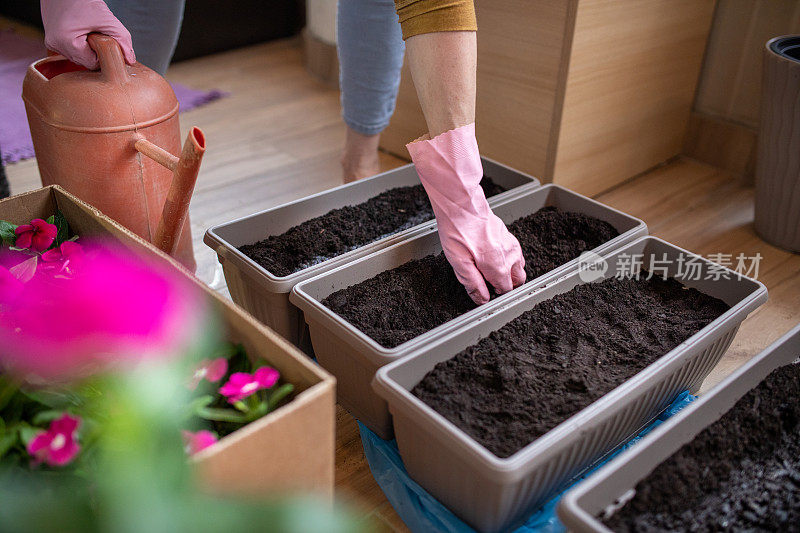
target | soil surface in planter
[
  {"x": 347, "y": 228},
  {"x": 742, "y": 473},
  {"x": 544, "y": 366},
  {"x": 397, "y": 305}
]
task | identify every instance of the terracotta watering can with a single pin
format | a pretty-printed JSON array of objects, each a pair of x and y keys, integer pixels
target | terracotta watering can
[{"x": 109, "y": 136}]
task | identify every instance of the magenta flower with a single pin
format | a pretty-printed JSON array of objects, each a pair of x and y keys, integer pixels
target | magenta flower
[
  {"x": 38, "y": 235},
  {"x": 10, "y": 286},
  {"x": 241, "y": 384},
  {"x": 58, "y": 445},
  {"x": 209, "y": 369},
  {"x": 198, "y": 440},
  {"x": 116, "y": 311},
  {"x": 62, "y": 260}
]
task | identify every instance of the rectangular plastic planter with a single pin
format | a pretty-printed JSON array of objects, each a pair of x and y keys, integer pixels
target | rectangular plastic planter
[
  {"x": 494, "y": 494},
  {"x": 613, "y": 485},
  {"x": 291, "y": 450},
  {"x": 353, "y": 357},
  {"x": 266, "y": 295}
]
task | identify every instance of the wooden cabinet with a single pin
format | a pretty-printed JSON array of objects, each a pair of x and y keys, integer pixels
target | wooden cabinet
[{"x": 584, "y": 93}]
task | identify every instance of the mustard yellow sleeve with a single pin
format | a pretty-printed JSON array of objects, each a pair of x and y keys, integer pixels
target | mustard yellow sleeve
[{"x": 429, "y": 16}]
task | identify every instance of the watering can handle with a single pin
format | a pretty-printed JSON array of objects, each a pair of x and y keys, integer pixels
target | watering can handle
[{"x": 112, "y": 64}]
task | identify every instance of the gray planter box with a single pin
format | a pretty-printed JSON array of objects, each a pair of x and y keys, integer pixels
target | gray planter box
[
  {"x": 613, "y": 484},
  {"x": 265, "y": 295},
  {"x": 494, "y": 494},
  {"x": 353, "y": 357}
]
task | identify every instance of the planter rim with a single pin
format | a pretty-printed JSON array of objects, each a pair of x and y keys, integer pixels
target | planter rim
[
  {"x": 670, "y": 436},
  {"x": 782, "y": 44},
  {"x": 511, "y": 466}
]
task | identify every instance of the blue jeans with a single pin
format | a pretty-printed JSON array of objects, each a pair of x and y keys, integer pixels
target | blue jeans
[
  {"x": 154, "y": 27},
  {"x": 371, "y": 52},
  {"x": 369, "y": 39}
]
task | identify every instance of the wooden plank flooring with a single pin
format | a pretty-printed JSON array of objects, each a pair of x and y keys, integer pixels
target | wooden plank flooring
[{"x": 278, "y": 136}]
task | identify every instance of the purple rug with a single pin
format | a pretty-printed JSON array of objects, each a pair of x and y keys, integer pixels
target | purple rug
[{"x": 17, "y": 52}]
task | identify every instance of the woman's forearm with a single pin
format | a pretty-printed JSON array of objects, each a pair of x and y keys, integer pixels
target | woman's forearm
[{"x": 443, "y": 66}]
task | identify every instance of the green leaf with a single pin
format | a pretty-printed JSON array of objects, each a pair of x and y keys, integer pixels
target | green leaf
[
  {"x": 225, "y": 349},
  {"x": 7, "y": 234},
  {"x": 199, "y": 403},
  {"x": 27, "y": 433},
  {"x": 45, "y": 417},
  {"x": 222, "y": 415},
  {"x": 237, "y": 358},
  {"x": 8, "y": 389},
  {"x": 279, "y": 394},
  {"x": 25, "y": 271},
  {"x": 51, "y": 219},
  {"x": 7, "y": 441},
  {"x": 63, "y": 228},
  {"x": 54, "y": 399}
]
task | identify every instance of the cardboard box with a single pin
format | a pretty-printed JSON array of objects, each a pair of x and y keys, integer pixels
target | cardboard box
[{"x": 289, "y": 450}]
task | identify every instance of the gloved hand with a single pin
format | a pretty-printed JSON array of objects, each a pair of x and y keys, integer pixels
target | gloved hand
[
  {"x": 67, "y": 23},
  {"x": 475, "y": 241}
]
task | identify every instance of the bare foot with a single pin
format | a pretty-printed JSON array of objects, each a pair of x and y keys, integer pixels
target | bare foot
[{"x": 360, "y": 156}]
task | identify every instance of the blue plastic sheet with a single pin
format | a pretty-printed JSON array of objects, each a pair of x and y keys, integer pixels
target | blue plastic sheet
[{"x": 421, "y": 512}]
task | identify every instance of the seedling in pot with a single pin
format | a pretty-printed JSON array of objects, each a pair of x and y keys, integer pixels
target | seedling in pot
[{"x": 235, "y": 392}]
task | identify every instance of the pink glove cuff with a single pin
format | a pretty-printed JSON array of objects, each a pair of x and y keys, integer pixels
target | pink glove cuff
[{"x": 450, "y": 169}]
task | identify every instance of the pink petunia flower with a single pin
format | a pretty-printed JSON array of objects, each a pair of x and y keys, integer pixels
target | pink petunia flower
[
  {"x": 58, "y": 445},
  {"x": 195, "y": 441},
  {"x": 38, "y": 235},
  {"x": 210, "y": 369},
  {"x": 62, "y": 260},
  {"x": 116, "y": 311},
  {"x": 241, "y": 384},
  {"x": 10, "y": 286}
]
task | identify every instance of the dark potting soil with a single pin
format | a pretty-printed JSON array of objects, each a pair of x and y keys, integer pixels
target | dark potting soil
[
  {"x": 524, "y": 379},
  {"x": 742, "y": 473},
  {"x": 347, "y": 228},
  {"x": 399, "y": 304}
]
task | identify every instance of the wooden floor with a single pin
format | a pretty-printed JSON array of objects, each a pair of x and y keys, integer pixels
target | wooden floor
[{"x": 278, "y": 136}]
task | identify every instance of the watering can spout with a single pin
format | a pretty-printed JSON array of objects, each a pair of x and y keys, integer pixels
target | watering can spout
[{"x": 184, "y": 176}]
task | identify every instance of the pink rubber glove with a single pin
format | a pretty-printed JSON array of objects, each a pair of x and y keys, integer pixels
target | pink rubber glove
[
  {"x": 475, "y": 241},
  {"x": 67, "y": 23}
]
